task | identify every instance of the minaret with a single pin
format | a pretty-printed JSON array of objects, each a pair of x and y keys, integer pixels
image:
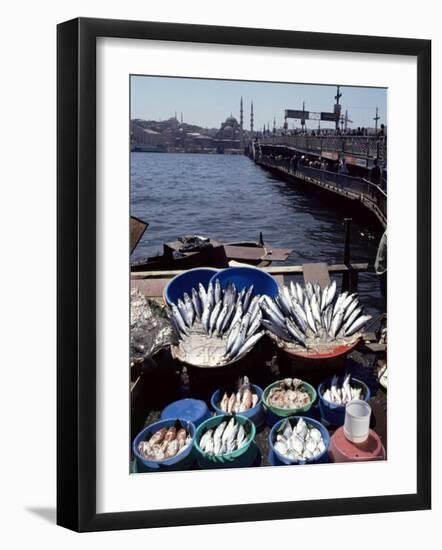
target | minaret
[
  {"x": 274, "y": 125},
  {"x": 251, "y": 119}
]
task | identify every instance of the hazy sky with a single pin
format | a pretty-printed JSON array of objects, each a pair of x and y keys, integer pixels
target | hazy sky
[{"x": 209, "y": 102}]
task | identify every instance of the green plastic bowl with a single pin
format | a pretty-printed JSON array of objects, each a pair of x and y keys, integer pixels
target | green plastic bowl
[
  {"x": 215, "y": 421},
  {"x": 289, "y": 412}
]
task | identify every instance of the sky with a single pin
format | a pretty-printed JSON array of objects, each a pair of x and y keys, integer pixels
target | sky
[{"x": 207, "y": 103}]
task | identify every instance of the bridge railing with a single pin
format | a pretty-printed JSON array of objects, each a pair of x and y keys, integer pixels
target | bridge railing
[
  {"x": 363, "y": 146},
  {"x": 366, "y": 190}
]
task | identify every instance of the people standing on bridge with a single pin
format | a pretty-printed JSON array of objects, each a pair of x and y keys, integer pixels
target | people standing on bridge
[
  {"x": 342, "y": 168},
  {"x": 375, "y": 174}
]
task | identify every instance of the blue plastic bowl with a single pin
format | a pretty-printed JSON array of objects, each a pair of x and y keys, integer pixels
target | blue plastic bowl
[
  {"x": 184, "y": 282},
  {"x": 188, "y": 409},
  {"x": 323, "y": 457},
  {"x": 172, "y": 462},
  {"x": 243, "y": 277},
  {"x": 332, "y": 413},
  {"x": 255, "y": 414}
]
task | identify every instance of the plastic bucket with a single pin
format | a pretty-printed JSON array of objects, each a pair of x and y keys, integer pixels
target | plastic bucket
[
  {"x": 335, "y": 414},
  {"x": 239, "y": 458},
  {"x": 281, "y": 459},
  {"x": 188, "y": 409},
  {"x": 274, "y": 414},
  {"x": 177, "y": 462},
  {"x": 243, "y": 277},
  {"x": 255, "y": 414},
  {"x": 184, "y": 282}
]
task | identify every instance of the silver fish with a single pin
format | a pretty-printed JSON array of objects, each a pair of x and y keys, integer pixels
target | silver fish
[
  {"x": 233, "y": 335},
  {"x": 217, "y": 437},
  {"x": 183, "y": 310},
  {"x": 189, "y": 308},
  {"x": 220, "y": 319},
  {"x": 238, "y": 315},
  {"x": 248, "y": 298},
  {"x": 202, "y": 294},
  {"x": 357, "y": 325},
  {"x": 217, "y": 291},
  {"x": 249, "y": 343},
  {"x": 352, "y": 318},
  {"x": 300, "y": 293},
  {"x": 291, "y": 327},
  {"x": 227, "y": 318},
  {"x": 214, "y": 316},
  {"x": 179, "y": 319},
  {"x": 276, "y": 329},
  {"x": 210, "y": 296},
  {"x": 239, "y": 341},
  {"x": 205, "y": 318},
  {"x": 336, "y": 323},
  {"x": 254, "y": 325},
  {"x": 196, "y": 302},
  {"x": 310, "y": 318},
  {"x": 314, "y": 303},
  {"x": 273, "y": 307},
  {"x": 241, "y": 437},
  {"x": 270, "y": 314},
  {"x": 352, "y": 306}
]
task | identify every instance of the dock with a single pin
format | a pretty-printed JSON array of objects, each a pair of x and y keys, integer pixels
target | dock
[
  {"x": 361, "y": 191},
  {"x": 153, "y": 283}
]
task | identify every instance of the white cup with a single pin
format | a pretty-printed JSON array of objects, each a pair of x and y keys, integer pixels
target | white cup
[{"x": 357, "y": 421}]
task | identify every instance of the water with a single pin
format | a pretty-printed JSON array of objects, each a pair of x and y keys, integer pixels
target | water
[{"x": 229, "y": 198}]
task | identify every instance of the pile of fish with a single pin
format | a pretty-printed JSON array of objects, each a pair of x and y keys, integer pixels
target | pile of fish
[
  {"x": 313, "y": 318},
  {"x": 341, "y": 395},
  {"x": 229, "y": 436},
  {"x": 216, "y": 326},
  {"x": 241, "y": 400},
  {"x": 165, "y": 443},
  {"x": 299, "y": 442},
  {"x": 150, "y": 329},
  {"x": 289, "y": 394}
]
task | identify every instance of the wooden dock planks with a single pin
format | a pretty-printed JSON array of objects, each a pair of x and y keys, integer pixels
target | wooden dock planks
[{"x": 316, "y": 273}]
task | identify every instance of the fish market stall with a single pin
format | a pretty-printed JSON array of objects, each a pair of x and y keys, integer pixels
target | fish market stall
[{"x": 221, "y": 343}]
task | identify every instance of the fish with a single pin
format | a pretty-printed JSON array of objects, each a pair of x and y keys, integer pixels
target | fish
[
  {"x": 272, "y": 315},
  {"x": 217, "y": 291},
  {"x": 196, "y": 302},
  {"x": 310, "y": 318},
  {"x": 295, "y": 332},
  {"x": 205, "y": 318},
  {"x": 214, "y": 316},
  {"x": 300, "y": 442},
  {"x": 316, "y": 310},
  {"x": 336, "y": 322},
  {"x": 281, "y": 332},
  {"x": 202, "y": 293},
  {"x": 357, "y": 325},
  {"x": 220, "y": 319},
  {"x": 190, "y": 311},
  {"x": 165, "y": 443},
  {"x": 289, "y": 394},
  {"x": 233, "y": 336},
  {"x": 249, "y": 343},
  {"x": 178, "y": 318},
  {"x": 217, "y": 437},
  {"x": 248, "y": 298},
  {"x": 341, "y": 394}
]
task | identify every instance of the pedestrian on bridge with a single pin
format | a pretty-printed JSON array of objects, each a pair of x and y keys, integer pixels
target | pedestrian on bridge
[{"x": 375, "y": 174}]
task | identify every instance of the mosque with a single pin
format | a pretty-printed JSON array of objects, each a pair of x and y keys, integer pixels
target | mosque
[{"x": 232, "y": 130}]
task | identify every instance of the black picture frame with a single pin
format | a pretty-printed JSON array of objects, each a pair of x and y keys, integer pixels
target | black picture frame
[{"x": 76, "y": 273}]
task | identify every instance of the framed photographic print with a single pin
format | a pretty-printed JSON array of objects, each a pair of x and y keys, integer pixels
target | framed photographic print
[{"x": 224, "y": 314}]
